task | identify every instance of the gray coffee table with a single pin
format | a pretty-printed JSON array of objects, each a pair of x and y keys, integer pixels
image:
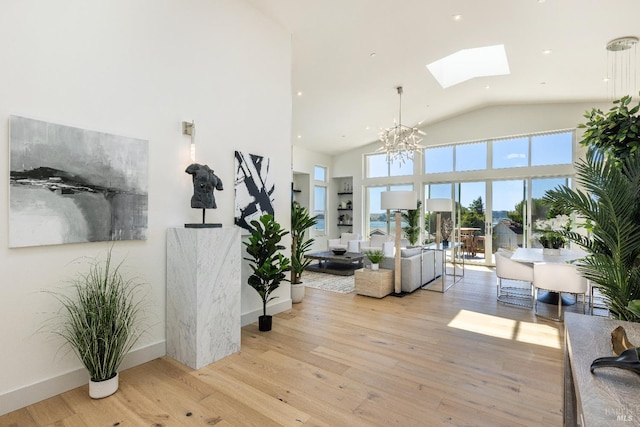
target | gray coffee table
[{"x": 342, "y": 265}]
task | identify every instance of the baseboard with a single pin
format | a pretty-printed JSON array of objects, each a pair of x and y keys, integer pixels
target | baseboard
[
  {"x": 45, "y": 389},
  {"x": 252, "y": 316}
]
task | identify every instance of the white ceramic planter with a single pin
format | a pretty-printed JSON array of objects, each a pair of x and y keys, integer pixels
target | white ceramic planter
[
  {"x": 297, "y": 293},
  {"x": 550, "y": 251},
  {"x": 100, "y": 389},
  {"x": 375, "y": 266}
]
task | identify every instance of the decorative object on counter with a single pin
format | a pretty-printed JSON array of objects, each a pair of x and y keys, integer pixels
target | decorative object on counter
[
  {"x": 628, "y": 360},
  {"x": 101, "y": 321},
  {"x": 267, "y": 262},
  {"x": 619, "y": 341},
  {"x": 301, "y": 221},
  {"x": 254, "y": 187},
  {"x": 204, "y": 182},
  {"x": 339, "y": 251}
]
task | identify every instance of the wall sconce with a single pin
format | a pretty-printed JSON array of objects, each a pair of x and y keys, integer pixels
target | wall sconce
[{"x": 189, "y": 128}]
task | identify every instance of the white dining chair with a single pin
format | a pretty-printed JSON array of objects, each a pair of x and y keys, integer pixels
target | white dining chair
[
  {"x": 556, "y": 277},
  {"x": 508, "y": 269}
]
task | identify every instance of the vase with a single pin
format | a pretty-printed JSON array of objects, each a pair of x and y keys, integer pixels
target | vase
[
  {"x": 297, "y": 292},
  {"x": 375, "y": 266},
  {"x": 100, "y": 389},
  {"x": 550, "y": 252},
  {"x": 264, "y": 323}
]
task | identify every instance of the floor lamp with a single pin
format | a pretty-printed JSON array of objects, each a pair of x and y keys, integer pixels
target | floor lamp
[
  {"x": 439, "y": 206},
  {"x": 398, "y": 200}
]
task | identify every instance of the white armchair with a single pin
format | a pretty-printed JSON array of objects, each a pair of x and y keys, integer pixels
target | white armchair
[
  {"x": 559, "y": 278},
  {"x": 348, "y": 241},
  {"x": 516, "y": 271}
]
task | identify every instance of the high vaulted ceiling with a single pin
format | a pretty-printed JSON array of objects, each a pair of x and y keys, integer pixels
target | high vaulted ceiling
[{"x": 350, "y": 55}]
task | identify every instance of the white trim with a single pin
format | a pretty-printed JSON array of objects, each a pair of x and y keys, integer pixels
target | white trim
[
  {"x": 273, "y": 309},
  {"x": 33, "y": 393}
]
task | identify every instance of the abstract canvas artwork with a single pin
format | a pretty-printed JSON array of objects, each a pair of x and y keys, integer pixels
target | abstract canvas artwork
[
  {"x": 254, "y": 189},
  {"x": 70, "y": 185}
]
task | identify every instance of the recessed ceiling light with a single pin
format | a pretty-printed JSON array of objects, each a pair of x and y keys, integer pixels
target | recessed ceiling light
[
  {"x": 543, "y": 83},
  {"x": 299, "y": 93},
  {"x": 457, "y": 17},
  {"x": 372, "y": 54},
  {"x": 299, "y": 136},
  {"x": 605, "y": 79},
  {"x": 368, "y": 127},
  {"x": 547, "y": 52},
  {"x": 487, "y": 87},
  {"x": 541, "y": 1},
  {"x": 467, "y": 64}
]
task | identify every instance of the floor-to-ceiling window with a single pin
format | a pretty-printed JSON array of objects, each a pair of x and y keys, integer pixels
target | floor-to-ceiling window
[{"x": 379, "y": 220}]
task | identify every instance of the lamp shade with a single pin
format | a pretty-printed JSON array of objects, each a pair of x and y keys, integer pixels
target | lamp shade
[
  {"x": 399, "y": 200},
  {"x": 439, "y": 205}
]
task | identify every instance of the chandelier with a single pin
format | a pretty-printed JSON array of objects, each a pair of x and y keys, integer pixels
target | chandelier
[
  {"x": 400, "y": 142},
  {"x": 621, "y": 66}
]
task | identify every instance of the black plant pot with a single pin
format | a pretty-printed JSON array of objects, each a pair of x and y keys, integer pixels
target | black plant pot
[{"x": 264, "y": 323}]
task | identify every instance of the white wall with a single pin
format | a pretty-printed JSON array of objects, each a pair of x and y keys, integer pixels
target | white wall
[
  {"x": 136, "y": 69},
  {"x": 489, "y": 122}
]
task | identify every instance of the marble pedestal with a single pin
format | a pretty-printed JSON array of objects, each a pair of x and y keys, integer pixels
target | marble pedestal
[{"x": 203, "y": 294}]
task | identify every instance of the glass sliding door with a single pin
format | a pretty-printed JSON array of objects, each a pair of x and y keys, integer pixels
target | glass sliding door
[
  {"x": 473, "y": 222},
  {"x": 509, "y": 214}
]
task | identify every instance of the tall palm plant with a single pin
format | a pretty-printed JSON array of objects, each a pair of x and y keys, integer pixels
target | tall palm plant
[
  {"x": 412, "y": 218},
  {"x": 610, "y": 204}
]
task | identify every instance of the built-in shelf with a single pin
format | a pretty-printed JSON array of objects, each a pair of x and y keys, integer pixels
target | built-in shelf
[
  {"x": 343, "y": 193},
  {"x": 296, "y": 191},
  {"x": 344, "y": 209},
  {"x": 345, "y": 225}
]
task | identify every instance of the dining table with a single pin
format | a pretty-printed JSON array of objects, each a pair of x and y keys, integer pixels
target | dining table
[{"x": 537, "y": 255}]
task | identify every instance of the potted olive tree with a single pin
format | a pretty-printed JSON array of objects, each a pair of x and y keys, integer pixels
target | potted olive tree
[
  {"x": 100, "y": 319},
  {"x": 267, "y": 262},
  {"x": 300, "y": 223}
]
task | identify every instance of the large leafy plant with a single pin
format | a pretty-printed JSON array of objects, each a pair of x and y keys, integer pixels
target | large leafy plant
[
  {"x": 616, "y": 133},
  {"x": 266, "y": 261},
  {"x": 301, "y": 221},
  {"x": 100, "y": 319},
  {"x": 610, "y": 203}
]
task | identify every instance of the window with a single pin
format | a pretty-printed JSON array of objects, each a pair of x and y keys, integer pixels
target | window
[
  {"x": 320, "y": 173},
  {"x": 377, "y": 166},
  {"x": 510, "y": 153},
  {"x": 471, "y": 157},
  {"x": 320, "y": 208},
  {"x": 552, "y": 149},
  {"x": 379, "y": 221},
  {"x": 438, "y": 159}
]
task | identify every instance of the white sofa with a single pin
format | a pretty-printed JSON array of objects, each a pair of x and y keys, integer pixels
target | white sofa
[
  {"x": 379, "y": 241},
  {"x": 348, "y": 241}
]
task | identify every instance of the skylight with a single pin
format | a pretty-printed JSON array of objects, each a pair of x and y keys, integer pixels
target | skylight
[{"x": 467, "y": 64}]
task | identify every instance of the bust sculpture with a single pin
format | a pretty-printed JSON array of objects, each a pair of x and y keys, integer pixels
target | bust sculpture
[{"x": 204, "y": 183}]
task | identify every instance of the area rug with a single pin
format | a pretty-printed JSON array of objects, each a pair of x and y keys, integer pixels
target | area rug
[{"x": 328, "y": 282}]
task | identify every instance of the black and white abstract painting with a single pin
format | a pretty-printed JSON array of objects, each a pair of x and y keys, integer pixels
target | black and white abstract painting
[
  {"x": 70, "y": 185},
  {"x": 254, "y": 189}
]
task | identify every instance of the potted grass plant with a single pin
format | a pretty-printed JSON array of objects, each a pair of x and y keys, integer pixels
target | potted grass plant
[
  {"x": 375, "y": 256},
  {"x": 267, "y": 262},
  {"x": 301, "y": 221},
  {"x": 100, "y": 320}
]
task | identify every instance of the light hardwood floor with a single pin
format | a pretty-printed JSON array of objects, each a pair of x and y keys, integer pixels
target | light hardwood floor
[{"x": 427, "y": 359}]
